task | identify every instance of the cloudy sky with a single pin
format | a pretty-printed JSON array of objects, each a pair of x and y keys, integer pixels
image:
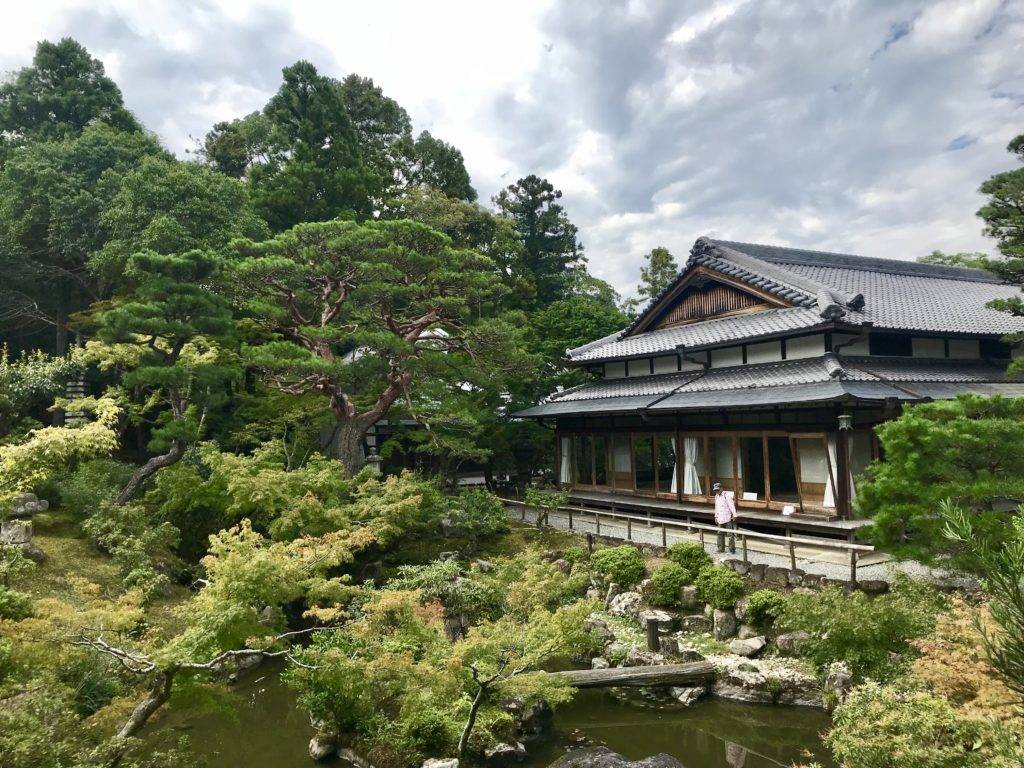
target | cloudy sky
[{"x": 853, "y": 125}]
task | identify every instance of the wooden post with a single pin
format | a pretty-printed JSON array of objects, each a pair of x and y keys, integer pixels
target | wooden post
[
  {"x": 701, "y": 534},
  {"x": 792, "y": 557},
  {"x": 843, "y": 470},
  {"x": 744, "y": 539},
  {"x": 570, "y": 518},
  {"x": 597, "y": 519},
  {"x": 853, "y": 566},
  {"x": 590, "y": 542},
  {"x": 629, "y": 529},
  {"x": 664, "y": 536},
  {"x": 653, "y": 643}
]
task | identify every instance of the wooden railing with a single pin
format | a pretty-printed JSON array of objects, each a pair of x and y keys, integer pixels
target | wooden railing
[{"x": 852, "y": 549}]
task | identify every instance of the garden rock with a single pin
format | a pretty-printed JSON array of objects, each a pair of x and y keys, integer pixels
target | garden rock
[
  {"x": 709, "y": 611},
  {"x": 737, "y": 566},
  {"x": 838, "y": 682},
  {"x": 323, "y": 748},
  {"x": 599, "y": 628},
  {"x": 664, "y": 619},
  {"x": 777, "y": 576},
  {"x": 791, "y": 643},
  {"x": 757, "y": 571},
  {"x": 15, "y": 532},
  {"x": 765, "y": 681},
  {"x": 27, "y": 504},
  {"x": 504, "y": 753},
  {"x": 746, "y": 631},
  {"x": 741, "y": 609},
  {"x": 669, "y": 646},
  {"x": 688, "y": 600},
  {"x": 563, "y": 565},
  {"x": 812, "y": 580},
  {"x": 626, "y": 604},
  {"x": 484, "y": 566},
  {"x": 441, "y": 762},
  {"x": 602, "y": 757},
  {"x": 724, "y": 624},
  {"x": 599, "y": 662},
  {"x": 686, "y": 695},
  {"x": 795, "y": 577},
  {"x": 696, "y": 623},
  {"x": 749, "y": 647},
  {"x": 874, "y": 586},
  {"x": 637, "y": 657}
]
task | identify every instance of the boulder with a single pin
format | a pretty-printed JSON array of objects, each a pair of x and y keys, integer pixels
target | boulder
[
  {"x": 777, "y": 576},
  {"x": 602, "y": 757},
  {"x": 441, "y": 762},
  {"x": 838, "y": 682},
  {"x": 638, "y": 657},
  {"x": 803, "y": 591},
  {"x": 757, "y": 571},
  {"x": 795, "y": 577},
  {"x": 688, "y": 599},
  {"x": 664, "y": 620},
  {"x": 323, "y": 748},
  {"x": 791, "y": 643},
  {"x": 812, "y": 580},
  {"x": 484, "y": 566},
  {"x": 599, "y": 628},
  {"x": 724, "y": 624},
  {"x": 563, "y": 565},
  {"x": 504, "y": 753},
  {"x": 534, "y": 719},
  {"x": 626, "y": 604},
  {"x": 746, "y": 631},
  {"x": 599, "y": 662},
  {"x": 669, "y": 645},
  {"x": 736, "y": 565},
  {"x": 749, "y": 647},
  {"x": 15, "y": 532},
  {"x": 709, "y": 611},
  {"x": 765, "y": 681},
  {"x": 696, "y": 623},
  {"x": 741, "y": 609},
  {"x": 874, "y": 586},
  {"x": 687, "y": 695}
]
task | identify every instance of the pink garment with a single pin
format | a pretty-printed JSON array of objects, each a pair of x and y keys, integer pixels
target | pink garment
[{"x": 725, "y": 509}]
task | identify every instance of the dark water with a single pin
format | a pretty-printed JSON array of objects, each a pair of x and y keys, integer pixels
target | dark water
[{"x": 271, "y": 732}]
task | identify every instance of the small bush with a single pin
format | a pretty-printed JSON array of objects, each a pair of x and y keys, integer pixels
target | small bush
[
  {"x": 872, "y": 635},
  {"x": 477, "y": 514},
  {"x": 14, "y": 605},
  {"x": 92, "y": 483},
  {"x": 690, "y": 555},
  {"x": 719, "y": 587},
  {"x": 666, "y": 583},
  {"x": 764, "y": 606},
  {"x": 624, "y": 564},
  {"x": 576, "y": 555}
]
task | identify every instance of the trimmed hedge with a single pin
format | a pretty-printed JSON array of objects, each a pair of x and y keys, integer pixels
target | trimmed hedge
[
  {"x": 666, "y": 582},
  {"x": 719, "y": 587},
  {"x": 690, "y": 555},
  {"x": 624, "y": 564}
]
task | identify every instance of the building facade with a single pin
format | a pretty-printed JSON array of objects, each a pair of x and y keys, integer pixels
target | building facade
[{"x": 765, "y": 369}]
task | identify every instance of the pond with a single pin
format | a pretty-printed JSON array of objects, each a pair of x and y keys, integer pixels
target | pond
[{"x": 270, "y": 731}]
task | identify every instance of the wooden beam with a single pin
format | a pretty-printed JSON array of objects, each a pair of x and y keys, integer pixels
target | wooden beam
[{"x": 692, "y": 673}]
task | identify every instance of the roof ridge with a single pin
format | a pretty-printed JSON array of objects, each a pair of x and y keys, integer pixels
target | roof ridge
[{"x": 781, "y": 254}]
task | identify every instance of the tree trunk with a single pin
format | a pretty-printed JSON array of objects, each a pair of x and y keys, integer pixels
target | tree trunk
[
  {"x": 691, "y": 673},
  {"x": 348, "y": 444},
  {"x": 158, "y": 695},
  {"x": 481, "y": 694},
  {"x": 147, "y": 470}
]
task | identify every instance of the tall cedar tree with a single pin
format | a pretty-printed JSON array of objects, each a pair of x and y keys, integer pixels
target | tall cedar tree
[
  {"x": 657, "y": 273},
  {"x": 168, "y": 327},
  {"x": 359, "y": 311},
  {"x": 551, "y": 248},
  {"x": 52, "y": 198},
  {"x": 63, "y": 91}
]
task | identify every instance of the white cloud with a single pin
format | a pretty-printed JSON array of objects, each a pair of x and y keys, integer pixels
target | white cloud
[{"x": 858, "y": 126}]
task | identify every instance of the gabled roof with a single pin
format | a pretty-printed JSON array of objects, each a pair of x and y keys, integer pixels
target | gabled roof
[{"x": 821, "y": 289}]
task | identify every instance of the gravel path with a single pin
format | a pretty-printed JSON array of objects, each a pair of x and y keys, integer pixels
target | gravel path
[{"x": 829, "y": 563}]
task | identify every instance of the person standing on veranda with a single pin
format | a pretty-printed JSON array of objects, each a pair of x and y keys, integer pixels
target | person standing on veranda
[{"x": 725, "y": 516}]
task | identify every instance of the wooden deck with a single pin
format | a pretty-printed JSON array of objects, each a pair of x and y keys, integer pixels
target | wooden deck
[{"x": 703, "y": 513}]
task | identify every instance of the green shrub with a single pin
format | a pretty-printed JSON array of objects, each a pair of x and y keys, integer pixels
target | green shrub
[
  {"x": 666, "y": 583},
  {"x": 884, "y": 727},
  {"x": 690, "y": 555},
  {"x": 624, "y": 565},
  {"x": 764, "y": 606},
  {"x": 872, "y": 635},
  {"x": 91, "y": 683},
  {"x": 719, "y": 587},
  {"x": 477, "y": 514},
  {"x": 576, "y": 554},
  {"x": 92, "y": 483},
  {"x": 14, "y": 605}
]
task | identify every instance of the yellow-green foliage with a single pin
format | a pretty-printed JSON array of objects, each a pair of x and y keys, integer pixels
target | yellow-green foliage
[
  {"x": 624, "y": 564},
  {"x": 50, "y": 450}
]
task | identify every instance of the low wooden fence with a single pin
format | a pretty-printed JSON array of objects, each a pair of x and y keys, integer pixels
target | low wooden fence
[{"x": 577, "y": 515}]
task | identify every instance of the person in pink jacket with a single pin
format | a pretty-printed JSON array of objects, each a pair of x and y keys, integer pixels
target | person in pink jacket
[{"x": 725, "y": 516}]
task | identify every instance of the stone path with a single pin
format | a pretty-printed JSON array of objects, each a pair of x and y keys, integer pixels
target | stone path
[{"x": 831, "y": 563}]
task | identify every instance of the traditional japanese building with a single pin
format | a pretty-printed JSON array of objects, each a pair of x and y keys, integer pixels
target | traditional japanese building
[{"x": 764, "y": 369}]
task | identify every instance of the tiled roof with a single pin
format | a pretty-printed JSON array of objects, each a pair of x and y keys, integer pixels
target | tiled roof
[
  {"x": 823, "y": 287},
  {"x": 792, "y": 381}
]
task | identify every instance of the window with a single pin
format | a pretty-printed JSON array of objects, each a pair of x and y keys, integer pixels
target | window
[
  {"x": 643, "y": 463},
  {"x": 721, "y": 463},
  {"x": 813, "y": 456},
  {"x": 600, "y": 460},
  {"x": 622, "y": 462},
  {"x": 666, "y": 445},
  {"x": 766, "y": 352},
  {"x": 805, "y": 346},
  {"x": 751, "y": 467},
  {"x": 694, "y": 479},
  {"x": 614, "y": 370},
  {"x": 584, "y": 460},
  {"x": 964, "y": 348},
  {"x": 669, "y": 364},
  {"x": 890, "y": 345},
  {"x": 994, "y": 348},
  {"x": 781, "y": 470},
  {"x": 928, "y": 347},
  {"x": 721, "y": 358}
]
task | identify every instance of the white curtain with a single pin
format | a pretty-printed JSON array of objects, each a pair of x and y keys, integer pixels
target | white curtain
[
  {"x": 691, "y": 475},
  {"x": 565, "y": 465},
  {"x": 675, "y": 467},
  {"x": 830, "y": 493}
]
